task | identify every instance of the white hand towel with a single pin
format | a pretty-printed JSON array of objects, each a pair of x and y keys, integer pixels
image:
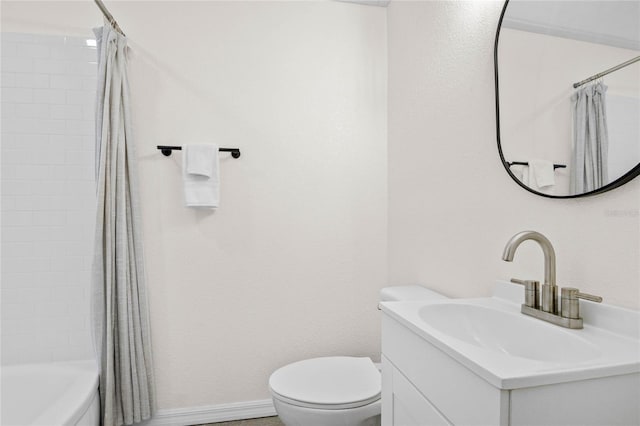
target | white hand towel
[
  {"x": 521, "y": 172},
  {"x": 543, "y": 171},
  {"x": 201, "y": 190},
  {"x": 200, "y": 158}
]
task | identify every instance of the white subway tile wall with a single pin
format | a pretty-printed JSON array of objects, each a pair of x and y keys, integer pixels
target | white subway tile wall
[{"x": 48, "y": 199}]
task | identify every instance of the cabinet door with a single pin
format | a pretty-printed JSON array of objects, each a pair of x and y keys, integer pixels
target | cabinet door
[
  {"x": 403, "y": 404},
  {"x": 387, "y": 392}
]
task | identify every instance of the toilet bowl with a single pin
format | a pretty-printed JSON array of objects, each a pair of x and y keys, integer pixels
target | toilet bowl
[
  {"x": 327, "y": 391},
  {"x": 335, "y": 391}
]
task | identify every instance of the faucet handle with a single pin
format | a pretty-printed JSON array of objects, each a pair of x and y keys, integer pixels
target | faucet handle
[
  {"x": 531, "y": 291},
  {"x": 569, "y": 299},
  {"x": 574, "y": 293},
  {"x": 589, "y": 297},
  {"x": 526, "y": 283}
]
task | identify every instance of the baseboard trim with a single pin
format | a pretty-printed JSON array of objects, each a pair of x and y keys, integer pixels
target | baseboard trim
[{"x": 213, "y": 413}]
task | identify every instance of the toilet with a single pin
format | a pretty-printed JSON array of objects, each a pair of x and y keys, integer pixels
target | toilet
[{"x": 337, "y": 390}]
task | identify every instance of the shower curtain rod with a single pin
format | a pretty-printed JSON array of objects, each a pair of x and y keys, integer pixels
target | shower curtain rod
[
  {"x": 109, "y": 16},
  {"x": 603, "y": 73}
]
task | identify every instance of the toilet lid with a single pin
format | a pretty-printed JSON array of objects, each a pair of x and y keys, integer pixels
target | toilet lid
[{"x": 329, "y": 382}]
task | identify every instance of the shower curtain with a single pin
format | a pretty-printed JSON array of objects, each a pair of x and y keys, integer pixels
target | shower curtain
[
  {"x": 590, "y": 139},
  {"x": 120, "y": 311}
]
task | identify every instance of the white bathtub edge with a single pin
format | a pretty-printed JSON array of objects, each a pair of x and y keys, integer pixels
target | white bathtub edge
[
  {"x": 69, "y": 388},
  {"x": 91, "y": 416},
  {"x": 83, "y": 395}
]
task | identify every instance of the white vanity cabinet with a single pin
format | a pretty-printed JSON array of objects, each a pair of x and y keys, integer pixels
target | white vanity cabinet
[
  {"x": 423, "y": 385},
  {"x": 418, "y": 378}
]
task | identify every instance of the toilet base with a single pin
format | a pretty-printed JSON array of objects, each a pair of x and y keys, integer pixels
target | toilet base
[{"x": 292, "y": 415}]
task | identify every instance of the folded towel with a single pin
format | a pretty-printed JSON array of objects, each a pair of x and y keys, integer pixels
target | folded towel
[
  {"x": 521, "y": 172},
  {"x": 543, "y": 172},
  {"x": 200, "y": 189},
  {"x": 200, "y": 158}
]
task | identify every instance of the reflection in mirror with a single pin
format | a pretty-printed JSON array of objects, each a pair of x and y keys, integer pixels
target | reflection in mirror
[{"x": 557, "y": 139}]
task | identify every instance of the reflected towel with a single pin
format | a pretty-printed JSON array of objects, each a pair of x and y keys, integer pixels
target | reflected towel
[
  {"x": 521, "y": 172},
  {"x": 201, "y": 190},
  {"x": 543, "y": 172}
]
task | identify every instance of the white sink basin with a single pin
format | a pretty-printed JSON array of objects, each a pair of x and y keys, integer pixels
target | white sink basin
[
  {"x": 511, "y": 350},
  {"x": 507, "y": 332}
]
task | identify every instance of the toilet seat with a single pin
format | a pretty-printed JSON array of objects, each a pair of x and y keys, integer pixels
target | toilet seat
[{"x": 329, "y": 383}]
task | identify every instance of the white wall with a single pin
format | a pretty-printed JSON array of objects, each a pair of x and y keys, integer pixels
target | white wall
[
  {"x": 452, "y": 206},
  {"x": 48, "y": 201},
  {"x": 537, "y": 73},
  {"x": 290, "y": 265}
]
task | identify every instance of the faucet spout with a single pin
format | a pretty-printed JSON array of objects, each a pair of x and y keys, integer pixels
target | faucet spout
[{"x": 547, "y": 250}]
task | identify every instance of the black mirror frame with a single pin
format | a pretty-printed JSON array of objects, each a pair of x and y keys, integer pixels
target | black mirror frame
[{"x": 630, "y": 175}]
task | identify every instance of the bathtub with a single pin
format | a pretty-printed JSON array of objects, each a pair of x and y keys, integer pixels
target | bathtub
[{"x": 50, "y": 394}]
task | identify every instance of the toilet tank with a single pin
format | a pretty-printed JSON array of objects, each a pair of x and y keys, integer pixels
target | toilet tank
[{"x": 408, "y": 292}]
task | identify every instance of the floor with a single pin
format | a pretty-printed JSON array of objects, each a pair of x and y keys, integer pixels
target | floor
[{"x": 265, "y": 421}]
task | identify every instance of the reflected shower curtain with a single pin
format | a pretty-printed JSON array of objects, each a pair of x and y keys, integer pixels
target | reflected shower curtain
[
  {"x": 590, "y": 139},
  {"x": 120, "y": 312}
]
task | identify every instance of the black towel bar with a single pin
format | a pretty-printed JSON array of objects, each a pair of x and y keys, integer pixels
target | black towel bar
[
  {"x": 166, "y": 150},
  {"x": 524, "y": 163}
]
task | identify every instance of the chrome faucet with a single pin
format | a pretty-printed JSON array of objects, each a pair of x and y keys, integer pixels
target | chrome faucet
[
  {"x": 549, "y": 289},
  {"x": 549, "y": 310}
]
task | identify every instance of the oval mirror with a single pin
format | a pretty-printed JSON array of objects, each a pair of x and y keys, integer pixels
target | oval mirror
[{"x": 568, "y": 94}]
